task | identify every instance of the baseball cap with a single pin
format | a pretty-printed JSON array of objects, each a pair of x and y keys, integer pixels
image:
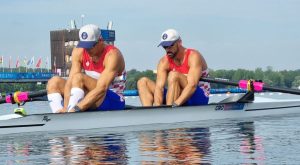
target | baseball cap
[
  {"x": 168, "y": 37},
  {"x": 88, "y": 35}
]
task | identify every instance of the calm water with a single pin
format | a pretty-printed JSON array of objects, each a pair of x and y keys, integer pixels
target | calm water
[{"x": 264, "y": 140}]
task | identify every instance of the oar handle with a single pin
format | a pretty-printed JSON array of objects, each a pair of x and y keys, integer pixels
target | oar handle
[
  {"x": 19, "y": 97},
  {"x": 258, "y": 86}
]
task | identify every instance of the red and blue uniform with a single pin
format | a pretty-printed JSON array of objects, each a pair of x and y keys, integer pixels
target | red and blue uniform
[
  {"x": 114, "y": 99},
  {"x": 201, "y": 95}
]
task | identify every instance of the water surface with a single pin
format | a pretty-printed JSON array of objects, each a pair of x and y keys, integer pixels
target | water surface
[{"x": 260, "y": 140}]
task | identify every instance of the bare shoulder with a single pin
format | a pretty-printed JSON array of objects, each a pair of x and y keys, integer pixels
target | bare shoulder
[
  {"x": 115, "y": 53},
  {"x": 115, "y": 59},
  {"x": 77, "y": 53},
  {"x": 196, "y": 57},
  {"x": 164, "y": 60},
  {"x": 163, "y": 63},
  {"x": 195, "y": 54}
]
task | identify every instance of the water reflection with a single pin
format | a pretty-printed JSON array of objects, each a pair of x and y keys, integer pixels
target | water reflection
[
  {"x": 172, "y": 146},
  {"x": 251, "y": 146},
  {"x": 108, "y": 149},
  {"x": 175, "y": 146},
  {"x": 234, "y": 143}
]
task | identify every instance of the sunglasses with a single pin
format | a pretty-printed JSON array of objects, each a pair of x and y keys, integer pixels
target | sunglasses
[
  {"x": 93, "y": 46},
  {"x": 167, "y": 47}
]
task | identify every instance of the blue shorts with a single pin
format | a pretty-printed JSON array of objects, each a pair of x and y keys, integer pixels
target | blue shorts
[
  {"x": 112, "y": 101},
  {"x": 198, "y": 98}
]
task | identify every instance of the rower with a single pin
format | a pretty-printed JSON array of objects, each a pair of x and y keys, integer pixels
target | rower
[
  {"x": 101, "y": 85},
  {"x": 181, "y": 68}
]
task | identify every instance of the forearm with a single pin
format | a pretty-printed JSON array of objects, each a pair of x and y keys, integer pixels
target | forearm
[
  {"x": 67, "y": 93},
  {"x": 186, "y": 93},
  {"x": 158, "y": 96},
  {"x": 95, "y": 96}
]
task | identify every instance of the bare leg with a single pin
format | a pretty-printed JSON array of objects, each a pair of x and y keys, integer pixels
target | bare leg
[
  {"x": 56, "y": 85},
  {"x": 176, "y": 83},
  {"x": 55, "y": 90},
  {"x": 146, "y": 89},
  {"x": 86, "y": 84}
]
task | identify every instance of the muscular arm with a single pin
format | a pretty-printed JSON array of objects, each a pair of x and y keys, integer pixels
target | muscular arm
[
  {"x": 75, "y": 68},
  {"x": 162, "y": 73},
  {"x": 112, "y": 65},
  {"x": 193, "y": 77}
]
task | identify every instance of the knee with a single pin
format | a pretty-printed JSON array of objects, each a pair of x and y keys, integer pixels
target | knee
[
  {"x": 77, "y": 78},
  {"x": 142, "y": 82},
  {"x": 53, "y": 83},
  {"x": 173, "y": 77}
]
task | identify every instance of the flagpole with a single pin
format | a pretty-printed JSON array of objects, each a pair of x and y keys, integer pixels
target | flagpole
[
  {"x": 19, "y": 64},
  {"x": 10, "y": 64},
  {"x": 2, "y": 63}
]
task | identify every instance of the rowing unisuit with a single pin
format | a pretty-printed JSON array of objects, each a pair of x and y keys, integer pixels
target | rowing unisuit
[
  {"x": 184, "y": 69},
  {"x": 94, "y": 70}
]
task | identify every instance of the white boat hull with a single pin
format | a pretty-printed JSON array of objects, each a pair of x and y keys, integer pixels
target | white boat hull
[{"x": 145, "y": 116}]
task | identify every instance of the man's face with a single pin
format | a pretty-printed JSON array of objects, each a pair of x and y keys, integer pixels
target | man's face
[
  {"x": 171, "y": 50},
  {"x": 93, "y": 51}
]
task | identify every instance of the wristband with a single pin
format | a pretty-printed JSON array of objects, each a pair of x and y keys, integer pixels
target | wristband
[{"x": 76, "y": 108}]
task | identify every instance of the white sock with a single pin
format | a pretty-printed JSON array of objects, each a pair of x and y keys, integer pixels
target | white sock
[
  {"x": 77, "y": 95},
  {"x": 55, "y": 101}
]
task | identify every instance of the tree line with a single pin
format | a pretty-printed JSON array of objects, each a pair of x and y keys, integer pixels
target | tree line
[{"x": 284, "y": 78}]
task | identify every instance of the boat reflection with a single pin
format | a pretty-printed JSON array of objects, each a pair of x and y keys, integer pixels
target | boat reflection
[{"x": 197, "y": 145}]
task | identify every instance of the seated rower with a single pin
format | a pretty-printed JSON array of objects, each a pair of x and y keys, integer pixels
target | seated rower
[
  {"x": 182, "y": 69},
  {"x": 101, "y": 85}
]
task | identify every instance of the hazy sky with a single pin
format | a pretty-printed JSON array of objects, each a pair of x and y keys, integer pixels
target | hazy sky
[{"x": 230, "y": 34}]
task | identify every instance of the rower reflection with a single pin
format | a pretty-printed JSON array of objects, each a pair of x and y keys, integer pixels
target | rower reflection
[
  {"x": 108, "y": 149},
  {"x": 175, "y": 146}
]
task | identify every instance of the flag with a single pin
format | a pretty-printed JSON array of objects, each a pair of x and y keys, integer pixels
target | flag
[
  {"x": 30, "y": 62},
  {"x": 17, "y": 63},
  {"x": 25, "y": 61},
  {"x": 47, "y": 62},
  {"x": 9, "y": 61},
  {"x": 38, "y": 64},
  {"x": 54, "y": 64}
]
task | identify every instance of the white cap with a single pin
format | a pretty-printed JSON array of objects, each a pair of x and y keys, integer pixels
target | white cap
[
  {"x": 168, "y": 37},
  {"x": 89, "y": 35}
]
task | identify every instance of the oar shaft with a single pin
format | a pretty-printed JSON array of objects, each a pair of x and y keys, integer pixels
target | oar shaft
[
  {"x": 283, "y": 90},
  {"x": 219, "y": 81},
  {"x": 261, "y": 85}
]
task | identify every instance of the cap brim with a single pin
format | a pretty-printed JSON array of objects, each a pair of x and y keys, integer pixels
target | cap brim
[
  {"x": 166, "y": 43},
  {"x": 86, "y": 44}
]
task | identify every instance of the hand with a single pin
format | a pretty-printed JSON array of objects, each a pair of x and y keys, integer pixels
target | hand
[
  {"x": 72, "y": 110},
  {"x": 174, "y": 105},
  {"x": 64, "y": 110}
]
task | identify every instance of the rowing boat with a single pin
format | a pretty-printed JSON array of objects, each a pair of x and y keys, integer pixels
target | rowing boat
[{"x": 234, "y": 107}]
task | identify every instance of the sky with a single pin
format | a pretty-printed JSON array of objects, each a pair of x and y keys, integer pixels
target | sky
[{"x": 230, "y": 34}]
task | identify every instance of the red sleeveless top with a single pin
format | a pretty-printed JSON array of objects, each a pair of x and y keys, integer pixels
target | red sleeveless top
[
  {"x": 184, "y": 69},
  {"x": 94, "y": 70}
]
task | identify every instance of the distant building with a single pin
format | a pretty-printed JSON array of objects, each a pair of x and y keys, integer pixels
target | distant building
[{"x": 62, "y": 43}]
